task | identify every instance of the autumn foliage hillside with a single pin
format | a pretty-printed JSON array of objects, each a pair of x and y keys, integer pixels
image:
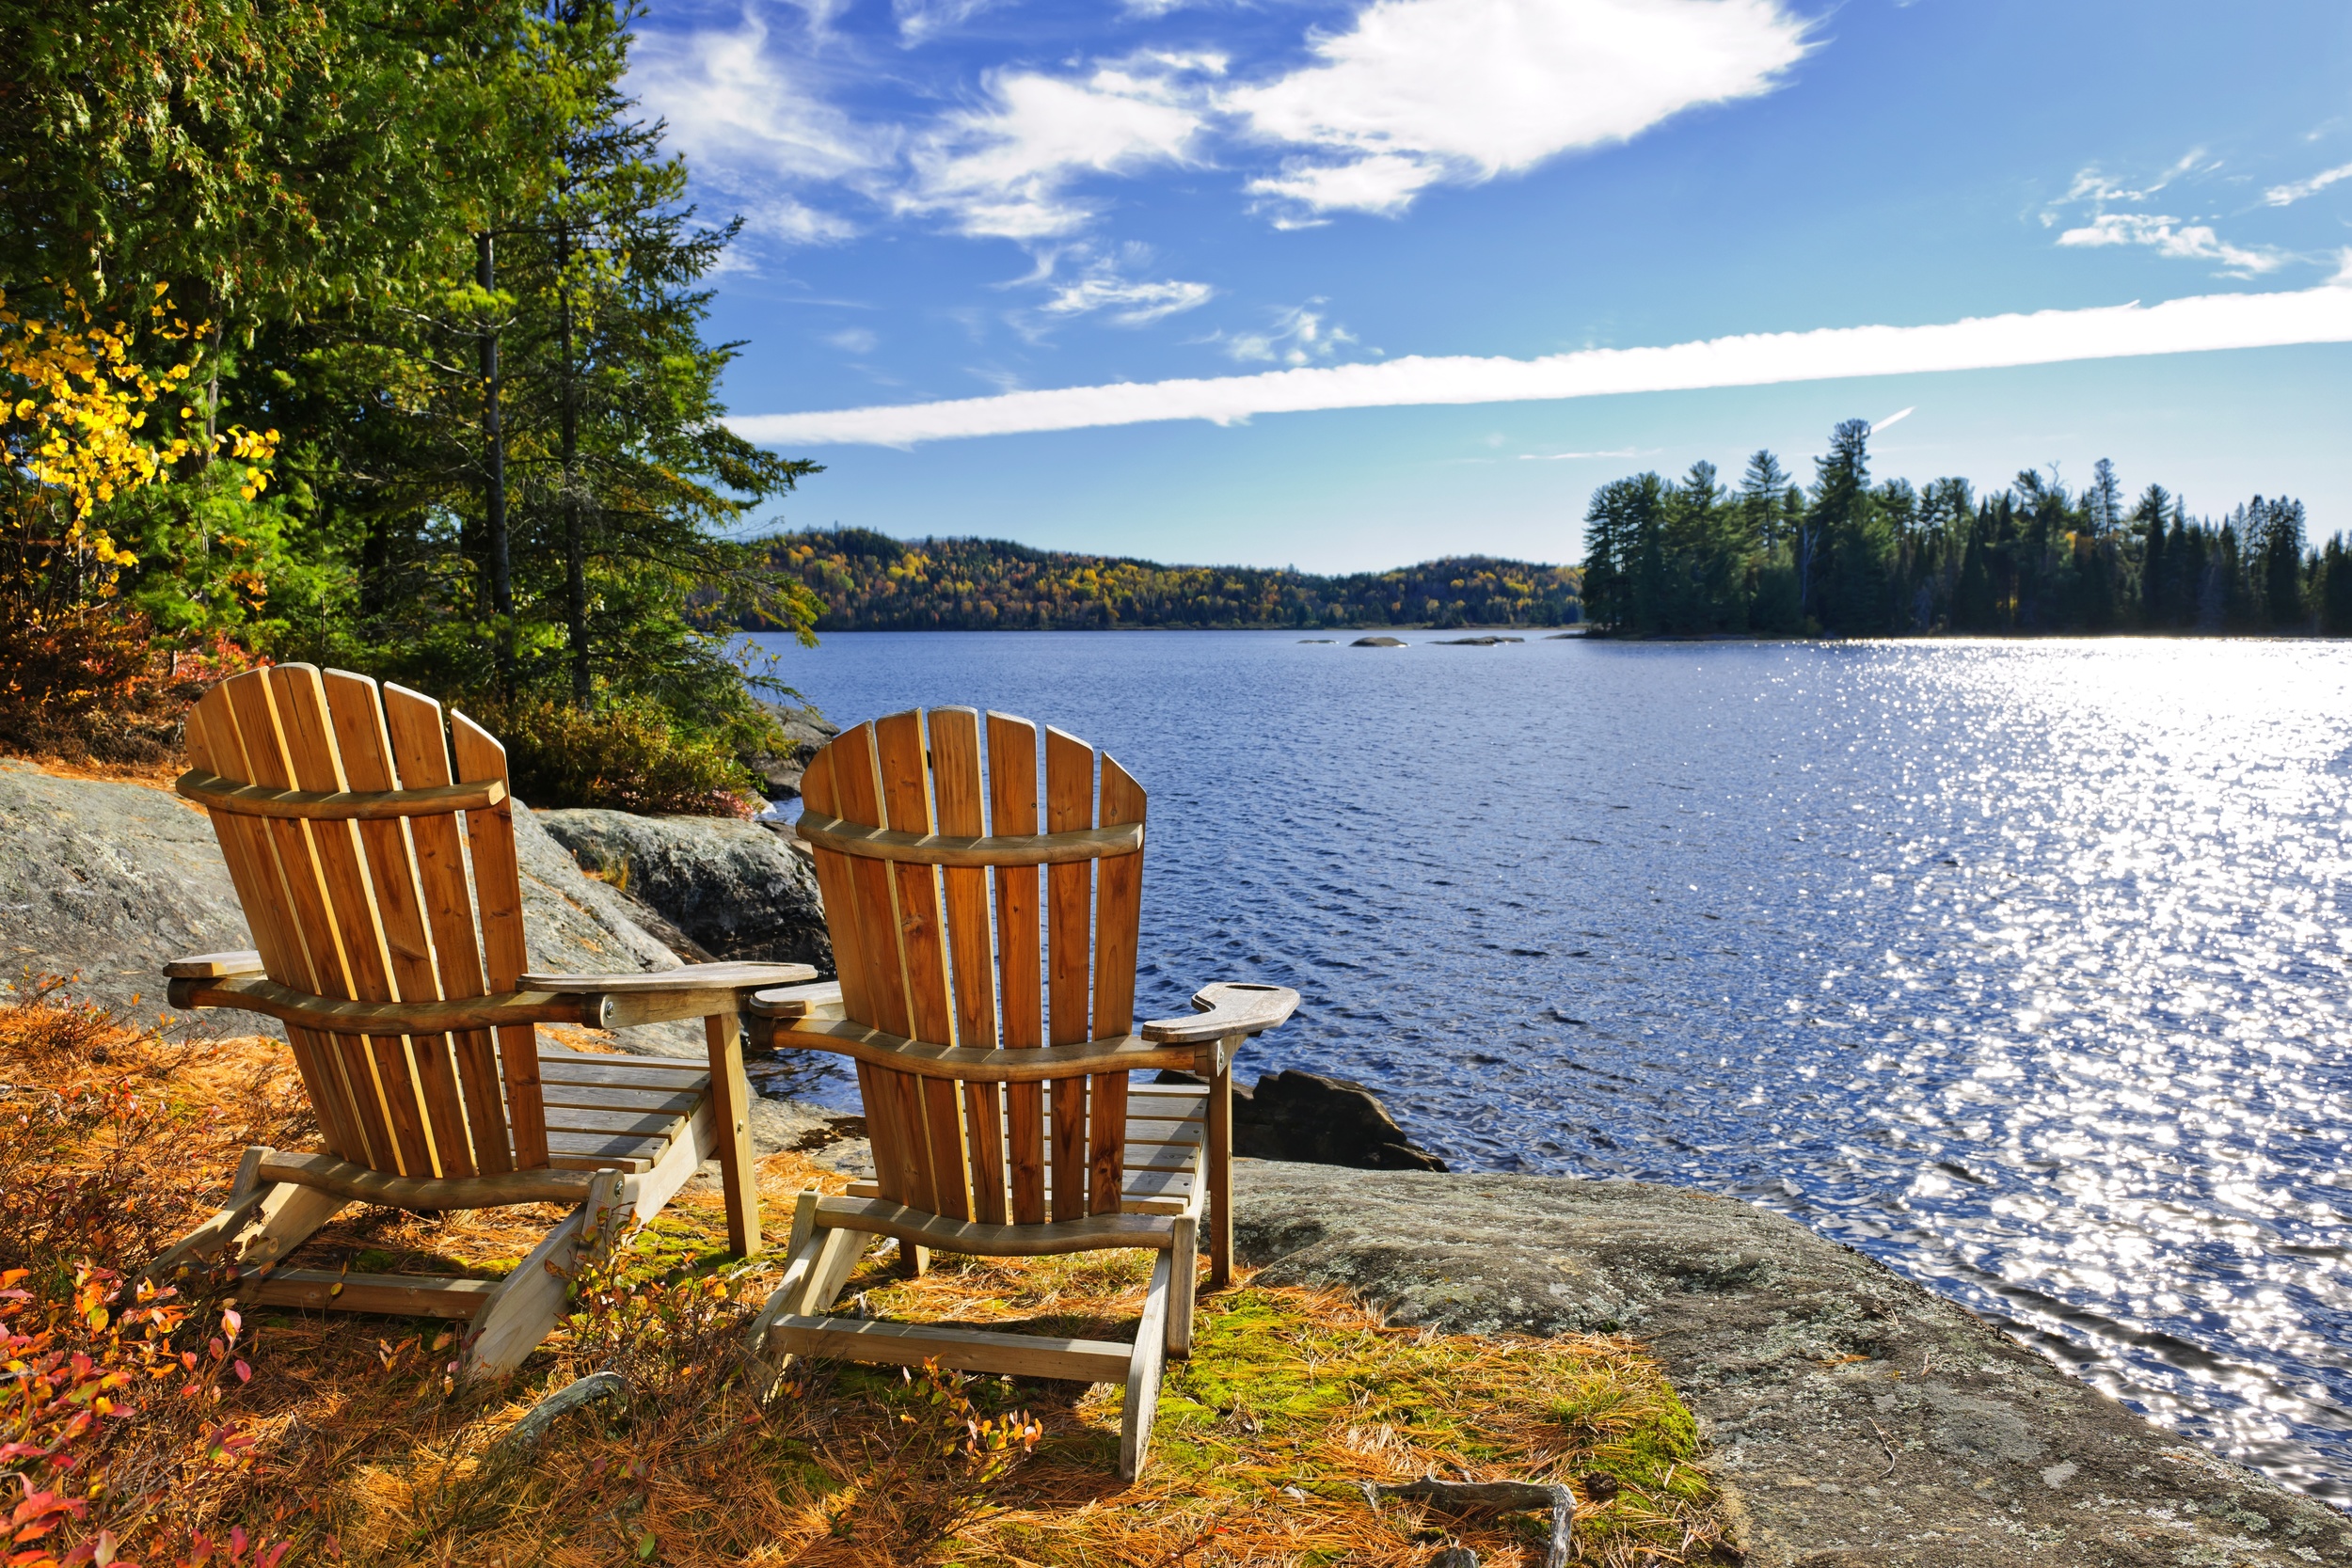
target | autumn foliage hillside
[{"x": 871, "y": 582}]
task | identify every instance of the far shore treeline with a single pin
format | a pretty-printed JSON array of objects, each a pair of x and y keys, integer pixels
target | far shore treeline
[
  {"x": 1848, "y": 557},
  {"x": 872, "y": 582}
]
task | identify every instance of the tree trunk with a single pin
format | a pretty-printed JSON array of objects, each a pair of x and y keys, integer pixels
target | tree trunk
[
  {"x": 575, "y": 529},
  {"x": 493, "y": 477}
]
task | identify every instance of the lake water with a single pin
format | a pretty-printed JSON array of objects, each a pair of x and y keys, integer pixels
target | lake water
[{"x": 2021, "y": 967}]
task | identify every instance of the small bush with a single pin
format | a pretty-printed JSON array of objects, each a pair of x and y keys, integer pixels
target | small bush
[{"x": 624, "y": 757}]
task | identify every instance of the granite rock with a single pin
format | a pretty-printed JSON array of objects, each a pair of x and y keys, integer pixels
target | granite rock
[
  {"x": 1856, "y": 1419},
  {"x": 736, "y": 889}
]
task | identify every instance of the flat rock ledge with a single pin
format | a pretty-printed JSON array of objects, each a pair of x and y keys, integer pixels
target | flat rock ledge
[{"x": 1856, "y": 1419}]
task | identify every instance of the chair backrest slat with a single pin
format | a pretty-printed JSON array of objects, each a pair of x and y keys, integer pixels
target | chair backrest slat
[
  {"x": 956, "y": 802},
  {"x": 1069, "y": 930},
  {"x": 498, "y": 886},
  {"x": 922, "y": 955},
  {"x": 1118, "y": 916},
  {"x": 420, "y": 753},
  {"x": 415, "y": 908},
  {"x": 1012, "y": 809}
]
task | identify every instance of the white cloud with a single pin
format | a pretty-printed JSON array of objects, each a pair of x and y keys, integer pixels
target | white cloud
[
  {"x": 853, "y": 339},
  {"x": 2286, "y": 195},
  {"x": 2172, "y": 237},
  {"x": 2204, "y": 323},
  {"x": 1131, "y": 303},
  {"x": 1575, "y": 456},
  {"x": 1423, "y": 90},
  {"x": 1382, "y": 182},
  {"x": 1898, "y": 414},
  {"x": 1301, "y": 336},
  {"x": 2090, "y": 184},
  {"x": 921, "y": 20},
  {"x": 755, "y": 125},
  {"x": 1006, "y": 170}
]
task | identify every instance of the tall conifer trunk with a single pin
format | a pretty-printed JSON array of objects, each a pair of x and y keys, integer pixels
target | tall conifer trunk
[
  {"x": 575, "y": 529},
  {"x": 494, "y": 475}
]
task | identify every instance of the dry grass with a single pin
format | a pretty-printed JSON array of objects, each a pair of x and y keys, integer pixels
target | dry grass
[{"x": 366, "y": 1449}]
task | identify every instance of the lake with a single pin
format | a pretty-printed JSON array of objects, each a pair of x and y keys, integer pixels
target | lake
[{"x": 2020, "y": 967}]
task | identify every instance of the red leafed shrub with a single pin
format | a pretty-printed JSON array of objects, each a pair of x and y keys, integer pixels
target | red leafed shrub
[{"x": 108, "y": 1423}]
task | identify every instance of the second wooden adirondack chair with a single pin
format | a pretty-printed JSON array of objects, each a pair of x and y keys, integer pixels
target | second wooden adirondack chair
[
  {"x": 375, "y": 857},
  {"x": 992, "y": 1055}
]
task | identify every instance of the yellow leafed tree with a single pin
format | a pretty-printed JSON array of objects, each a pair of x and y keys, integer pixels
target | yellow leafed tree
[{"x": 78, "y": 426}]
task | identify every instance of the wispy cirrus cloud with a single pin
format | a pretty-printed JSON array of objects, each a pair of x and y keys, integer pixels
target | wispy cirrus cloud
[
  {"x": 1128, "y": 302},
  {"x": 1301, "y": 335},
  {"x": 757, "y": 124},
  {"x": 2200, "y": 324},
  {"x": 2170, "y": 236},
  {"x": 1008, "y": 169},
  {"x": 1577, "y": 456},
  {"x": 2288, "y": 195}
]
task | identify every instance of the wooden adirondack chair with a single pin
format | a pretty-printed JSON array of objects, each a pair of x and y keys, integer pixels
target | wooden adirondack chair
[
  {"x": 993, "y": 1066},
  {"x": 348, "y": 822}
]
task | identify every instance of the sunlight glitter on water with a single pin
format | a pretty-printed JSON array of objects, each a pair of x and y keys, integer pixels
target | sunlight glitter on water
[{"x": 2021, "y": 967}]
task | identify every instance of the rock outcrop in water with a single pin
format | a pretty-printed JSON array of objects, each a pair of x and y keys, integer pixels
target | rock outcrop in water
[
  {"x": 1307, "y": 1117},
  {"x": 1860, "y": 1421},
  {"x": 1379, "y": 643}
]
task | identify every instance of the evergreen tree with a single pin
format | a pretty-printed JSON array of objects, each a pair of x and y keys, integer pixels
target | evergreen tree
[
  {"x": 2149, "y": 518},
  {"x": 1848, "y": 563},
  {"x": 2335, "y": 589}
]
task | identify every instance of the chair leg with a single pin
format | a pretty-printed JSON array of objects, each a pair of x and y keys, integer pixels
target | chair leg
[
  {"x": 819, "y": 1261},
  {"x": 1220, "y": 1173},
  {"x": 1143, "y": 1372},
  {"x": 1185, "y": 1282},
  {"x": 286, "y": 1214},
  {"x": 731, "y": 1100},
  {"x": 529, "y": 1301},
  {"x": 913, "y": 1261}
]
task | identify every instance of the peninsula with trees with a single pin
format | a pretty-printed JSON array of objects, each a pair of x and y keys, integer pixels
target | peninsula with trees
[{"x": 1849, "y": 557}]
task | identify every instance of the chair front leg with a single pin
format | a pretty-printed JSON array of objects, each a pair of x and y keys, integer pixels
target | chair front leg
[{"x": 731, "y": 1105}]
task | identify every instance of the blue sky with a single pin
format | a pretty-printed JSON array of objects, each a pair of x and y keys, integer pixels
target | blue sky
[{"x": 1375, "y": 243}]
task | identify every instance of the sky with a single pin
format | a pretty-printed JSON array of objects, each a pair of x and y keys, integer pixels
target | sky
[{"x": 1345, "y": 284}]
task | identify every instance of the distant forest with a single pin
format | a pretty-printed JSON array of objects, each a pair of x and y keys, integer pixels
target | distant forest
[
  {"x": 1849, "y": 557},
  {"x": 871, "y": 582}
]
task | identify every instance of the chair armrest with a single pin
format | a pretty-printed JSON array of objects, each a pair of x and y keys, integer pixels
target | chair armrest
[
  {"x": 818, "y": 999},
  {"x": 214, "y": 966},
  {"x": 689, "y": 978},
  {"x": 257, "y": 994},
  {"x": 1226, "y": 1007}
]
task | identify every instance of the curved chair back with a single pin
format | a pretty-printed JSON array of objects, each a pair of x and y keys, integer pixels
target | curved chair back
[
  {"x": 968, "y": 911},
  {"x": 348, "y": 820}
]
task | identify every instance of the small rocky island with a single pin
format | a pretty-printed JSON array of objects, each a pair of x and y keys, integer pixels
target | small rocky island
[{"x": 1856, "y": 1421}]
